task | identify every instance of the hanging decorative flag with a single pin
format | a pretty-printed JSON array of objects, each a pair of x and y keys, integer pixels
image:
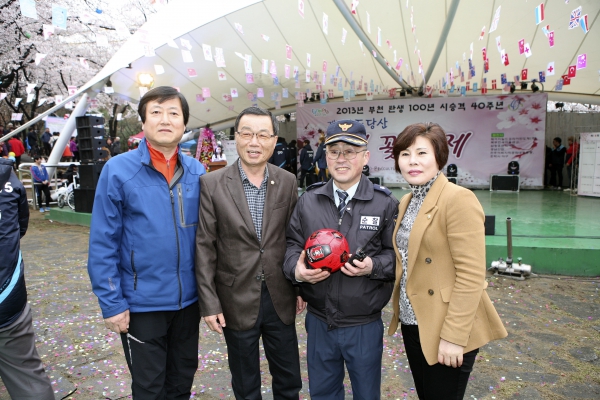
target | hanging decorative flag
[
  {"x": 238, "y": 27},
  {"x": 471, "y": 49},
  {"x": 505, "y": 59},
  {"x": 482, "y": 33},
  {"x": 379, "y": 36},
  {"x": 300, "y": 9},
  {"x": 524, "y": 74},
  {"x": 207, "y": 50},
  {"x": 265, "y": 37},
  {"x": 566, "y": 79},
  {"x": 200, "y": 98},
  {"x": 185, "y": 44},
  {"x": 221, "y": 75},
  {"x": 249, "y": 78},
  {"x": 498, "y": 45},
  {"x": 574, "y": 21},
  {"x": 583, "y": 22},
  {"x": 581, "y": 61},
  {"x": 59, "y": 16},
  {"x": 399, "y": 64},
  {"x": 484, "y": 53},
  {"x": 521, "y": 46},
  {"x": 503, "y": 79},
  {"x": 159, "y": 69},
  {"x": 539, "y": 14},
  {"x": 542, "y": 76},
  {"x": 495, "y": 21},
  {"x": 28, "y": 8},
  {"x": 546, "y": 30},
  {"x": 468, "y": 85},
  {"x": 550, "y": 69},
  {"x": 353, "y": 8},
  {"x": 325, "y": 24},
  {"x": 234, "y": 92},
  {"x": 527, "y": 50},
  {"x": 288, "y": 51},
  {"x": 286, "y": 69},
  {"x": 559, "y": 85},
  {"x": 48, "y": 31},
  {"x": 260, "y": 92},
  {"x": 324, "y": 66},
  {"x": 494, "y": 84},
  {"x": 572, "y": 72},
  {"x": 308, "y": 60},
  {"x": 517, "y": 79},
  {"x": 226, "y": 97},
  {"x": 219, "y": 58},
  {"x": 368, "y": 23},
  {"x": 273, "y": 69},
  {"x": 344, "y": 33},
  {"x": 551, "y": 38}
]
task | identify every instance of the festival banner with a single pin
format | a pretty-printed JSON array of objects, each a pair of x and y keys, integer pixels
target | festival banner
[{"x": 484, "y": 133}]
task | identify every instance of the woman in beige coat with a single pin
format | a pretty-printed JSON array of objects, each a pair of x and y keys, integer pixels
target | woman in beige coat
[{"x": 439, "y": 295}]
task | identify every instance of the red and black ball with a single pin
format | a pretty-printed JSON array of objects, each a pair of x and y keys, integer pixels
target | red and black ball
[{"x": 327, "y": 249}]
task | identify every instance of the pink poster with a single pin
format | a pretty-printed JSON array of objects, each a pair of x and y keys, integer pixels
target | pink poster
[{"x": 485, "y": 133}]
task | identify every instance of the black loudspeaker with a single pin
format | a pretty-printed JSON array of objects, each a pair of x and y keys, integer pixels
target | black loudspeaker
[
  {"x": 490, "y": 225},
  {"x": 92, "y": 155},
  {"x": 89, "y": 132},
  {"x": 88, "y": 121},
  {"x": 91, "y": 143},
  {"x": 84, "y": 200},
  {"x": 376, "y": 180},
  {"x": 89, "y": 175},
  {"x": 453, "y": 180},
  {"x": 504, "y": 182}
]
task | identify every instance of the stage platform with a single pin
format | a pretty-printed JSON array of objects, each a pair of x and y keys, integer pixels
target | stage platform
[{"x": 554, "y": 232}]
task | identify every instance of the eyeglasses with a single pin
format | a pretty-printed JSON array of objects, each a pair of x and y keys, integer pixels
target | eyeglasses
[
  {"x": 348, "y": 154},
  {"x": 262, "y": 136}
]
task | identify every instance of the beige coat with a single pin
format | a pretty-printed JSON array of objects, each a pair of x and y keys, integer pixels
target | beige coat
[{"x": 446, "y": 271}]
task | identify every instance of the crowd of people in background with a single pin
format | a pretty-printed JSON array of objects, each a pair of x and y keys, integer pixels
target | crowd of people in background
[{"x": 557, "y": 157}]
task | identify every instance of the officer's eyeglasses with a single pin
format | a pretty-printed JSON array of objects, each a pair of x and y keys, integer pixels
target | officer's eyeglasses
[
  {"x": 348, "y": 154},
  {"x": 262, "y": 136}
]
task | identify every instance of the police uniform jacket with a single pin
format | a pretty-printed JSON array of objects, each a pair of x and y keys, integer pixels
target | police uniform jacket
[
  {"x": 341, "y": 300},
  {"x": 446, "y": 271}
]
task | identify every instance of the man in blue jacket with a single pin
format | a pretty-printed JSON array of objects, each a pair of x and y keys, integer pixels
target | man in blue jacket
[
  {"x": 142, "y": 249},
  {"x": 21, "y": 368}
]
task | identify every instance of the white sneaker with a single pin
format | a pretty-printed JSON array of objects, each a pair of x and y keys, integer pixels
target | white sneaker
[{"x": 47, "y": 209}]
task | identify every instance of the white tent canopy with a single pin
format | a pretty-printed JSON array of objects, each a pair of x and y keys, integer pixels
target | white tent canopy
[{"x": 441, "y": 33}]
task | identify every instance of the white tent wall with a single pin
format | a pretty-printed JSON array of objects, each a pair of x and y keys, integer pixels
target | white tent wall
[{"x": 396, "y": 29}]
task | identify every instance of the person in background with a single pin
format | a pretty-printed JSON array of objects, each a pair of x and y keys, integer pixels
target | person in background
[
  {"x": 240, "y": 244},
  {"x": 280, "y": 155},
  {"x": 67, "y": 155},
  {"x": 53, "y": 139},
  {"x": 41, "y": 182},
  {"x": 439, "y": 294},
  {"x": 74, "y": 149},
  {"x": 321, "y": 159},
  {"x": 33, "y": 141},
  {"x": 16, "y": 146},
  {"x": 343, "y": 321},
  {"x": 293, "y": 154},
  {"x": 21, "y": 368},
  {"x": 141, "y": 251},
  {"x": 307, "y": 165},
  {"x": 115, "y": 149},
  {"x": 47, "y": 147},
  {"x": 557, "y": 162},
  {"x": 218, "y": 154},
  {"x": 572, "y": 161}
]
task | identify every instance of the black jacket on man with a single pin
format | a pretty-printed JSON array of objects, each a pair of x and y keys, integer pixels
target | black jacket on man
[
  {"x": 342, "y": 300},
  {"x": 307, "y": 162},
  {"x": 14, "y": 219},
  {"x": 280, "y": 155}
]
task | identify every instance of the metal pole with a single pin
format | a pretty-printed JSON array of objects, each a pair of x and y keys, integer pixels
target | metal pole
[
  {"x": 443, "y": 38},
  {"x": 65, "y": 134},
  {"x": 509, "y": 258}
]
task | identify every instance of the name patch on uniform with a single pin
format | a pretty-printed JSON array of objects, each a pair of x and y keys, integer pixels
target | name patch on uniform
[{"x": 369, "y": 223}]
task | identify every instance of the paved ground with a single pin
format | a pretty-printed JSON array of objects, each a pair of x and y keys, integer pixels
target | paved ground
[{"x": 551, "y": 352}]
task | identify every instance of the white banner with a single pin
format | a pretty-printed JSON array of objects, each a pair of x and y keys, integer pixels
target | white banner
[
  {"x": 484, "y": 133},
  {"x": 589, "y": 165}
]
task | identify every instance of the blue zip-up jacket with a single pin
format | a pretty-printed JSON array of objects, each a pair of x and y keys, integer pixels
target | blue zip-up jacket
[
  {"x": 142, "y": 236},
  {"x": 14, "y": 218}
]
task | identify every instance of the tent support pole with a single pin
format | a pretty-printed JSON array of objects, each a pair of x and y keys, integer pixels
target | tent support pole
[{"x": 442, "y": 40}]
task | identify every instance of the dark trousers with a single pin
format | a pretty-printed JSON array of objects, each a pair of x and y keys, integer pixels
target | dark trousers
[
  {"x": 322, "y": 176},
  {"x": 161, "y": 349},
  {"x": 39, "y": 188},
  {"x": 281, "y": 348},
  {"x": 310, "y": 177},
  {"x": 20, "y": 365},
  {"x": 47, "y": 148},
  {"x": 359, "y": 347},
  {"x": 556, "y": 175},
  {"x": 435, "y": 382}
]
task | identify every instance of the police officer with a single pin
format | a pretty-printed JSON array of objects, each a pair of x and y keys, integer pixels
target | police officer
[
  {"x": 307, "y": 165},
  {"x": 280, "y": 155},
  {"x": 344, "y": 308}
]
